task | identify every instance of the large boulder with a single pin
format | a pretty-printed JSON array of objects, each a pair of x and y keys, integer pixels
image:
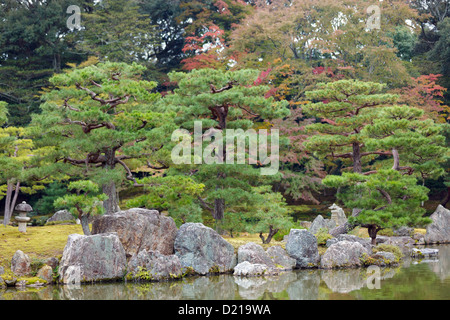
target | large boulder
[
  {"x": 20, "y": 264},
  {"x": 139, "y": 229},
  {"x": 281, "y": 258},
  {"x": 343, "y": 254},
  {"x": 302, "y": 246},
  {"x": 255, "y": 254},
  {"x": 439, "y": 230},
  {"x": 152, "y": 265},
  {"x": 204, "y": 250},
  {"x": 97, "y": 257}
]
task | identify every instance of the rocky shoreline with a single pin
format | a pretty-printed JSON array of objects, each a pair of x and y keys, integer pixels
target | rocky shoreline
[{"x": 143, "y": 245}]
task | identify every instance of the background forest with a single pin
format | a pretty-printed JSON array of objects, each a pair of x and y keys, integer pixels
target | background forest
[{"x": 87, "y": 112}]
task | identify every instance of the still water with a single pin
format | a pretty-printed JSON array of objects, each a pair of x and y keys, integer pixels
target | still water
[{"x": 414, "y": 279}]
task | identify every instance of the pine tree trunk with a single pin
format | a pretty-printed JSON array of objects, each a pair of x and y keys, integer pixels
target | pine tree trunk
[
  {"x": 111, "y": 205},
  {"x": 372, "y": 230},
  {"x": 85, "y": 224},
  {"x": 357, "y": 166}
]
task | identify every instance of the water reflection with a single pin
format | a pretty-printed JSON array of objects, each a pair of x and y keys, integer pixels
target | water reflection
[{"x": 426, "y": 279}]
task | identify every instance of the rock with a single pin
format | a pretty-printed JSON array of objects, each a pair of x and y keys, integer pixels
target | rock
[
  {"x": 403, "y": 232},
  {"x": 343, "y": 254},
  {"x": 321, "y": 223},
  {"x": 203, "y": 249},
  {"x": 98, "y": 257},
  {"x": 439, "y": 230},
  {"x": 139, "y": 229},
  {"x": 52, "y": 262},
  {"x": 61, "y": 215},
  {"x": 255, "y": 254},
  {"x": 366, "y": 243},
  {"x": 280, "y": 258},
  {"x": 383, "y": 258},
  {"x": 404, "y": 243},
  {"x": 2, "y": 270},
  {"x": 2, "y": 283},
  {"x": 302, "y": 246},
  {"x": 20, "y": 264},
  {"x": 424, "y": 253},
  {"x": 250, "y": 269},
  {"x": 338, "y": 215},
  {"x": 45, "y": 273},
  {"x": 152, "y": 265},
  {"x": 306, "y": 224}
]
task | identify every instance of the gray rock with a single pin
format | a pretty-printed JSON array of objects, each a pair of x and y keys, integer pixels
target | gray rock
[
  {"x": 403, "y": 232},
  {"x": 156, "y": 266},
  {"x": 97, "y": 257},
  {"x": 384, "y": 258},
  {"x": 255, "y": 254},
  {"x": 318, "y": 223},
  {"x": 20, "y": 264},
  {"x": 366, "y": 243},
  {"x": 203, "y": 249},
  {"x": 404, "y": 243},
  {"x": 302, "y": 246},
  {"x": 281, "y": 258},
  {"x": 424, "y": 253},
  {"x": 343, "y": 254},
  {"x": 439, "y": 230},
  {"x": 61, "y": 215},
  {"x": 139, "y": 229},
  {"x": 45, "y": 273},
  {"x": 250, "y": 269}
]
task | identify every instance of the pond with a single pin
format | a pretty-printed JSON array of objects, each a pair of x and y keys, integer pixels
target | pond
[{"x": 414, "y": 279}]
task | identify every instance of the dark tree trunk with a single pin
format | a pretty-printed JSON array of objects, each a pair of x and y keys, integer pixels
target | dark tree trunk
[
  {"x": 272, "y": 232},
  {"x": 85, "y": 224},
  {"x": 372, "y": 229},
  {"x": 219, "y": 208}
]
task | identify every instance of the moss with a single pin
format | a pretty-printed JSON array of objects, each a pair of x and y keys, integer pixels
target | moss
[
  {"x": 140, "y": 275},
  {"x": 188, "y": 271},
  {"x": 214, "y": 269},
  {"x": 31, "y": 280},
  {"x": 322, "y": 236},
  {"x": 386, "y": 232},
  {"x": 389, "y": 248},
  {"x": 38, "y": 242}
]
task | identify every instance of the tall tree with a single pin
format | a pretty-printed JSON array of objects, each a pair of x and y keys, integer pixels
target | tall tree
[
  {"x": 100, "y": 117},
  {"x": 221, "y": 100},
  {"x": 34, "y": 43}
]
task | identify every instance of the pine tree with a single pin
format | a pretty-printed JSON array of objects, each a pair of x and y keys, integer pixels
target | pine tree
[
  {"x": 99, "y": 120},
  {"x": 222, "y": 100}
]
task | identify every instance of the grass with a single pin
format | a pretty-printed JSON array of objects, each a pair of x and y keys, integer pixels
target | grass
[
  {"x": 37, "y": 242},
  {"x": 244, "y": 238}
]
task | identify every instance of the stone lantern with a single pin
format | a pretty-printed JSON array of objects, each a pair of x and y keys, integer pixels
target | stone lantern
[{"x": 22, "y": 218}]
